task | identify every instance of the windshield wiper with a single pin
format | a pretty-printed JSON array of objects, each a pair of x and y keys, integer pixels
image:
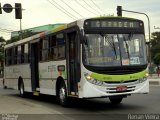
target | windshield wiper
[
  {"x": 126, "y": 46},
  {"x": 111, "y": 44},
  {"x": 130, "y": 36},
  {"x": 114, "y": 47}
]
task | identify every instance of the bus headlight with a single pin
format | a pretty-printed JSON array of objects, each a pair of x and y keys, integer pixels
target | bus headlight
[
  {"x": 92, "y": 80},
  {"x": 142, "y": 79},
  {"x": 88, "y": 77},
  {"x": 146, "y": 75}
]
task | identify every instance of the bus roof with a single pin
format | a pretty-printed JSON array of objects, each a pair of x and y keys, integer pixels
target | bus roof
[
  {"x": 36, "y": 36},
  {"x": 62, "y": 27}
]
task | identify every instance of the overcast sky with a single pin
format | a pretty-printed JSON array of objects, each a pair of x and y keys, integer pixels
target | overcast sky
[{"x": 42, "y": 12}]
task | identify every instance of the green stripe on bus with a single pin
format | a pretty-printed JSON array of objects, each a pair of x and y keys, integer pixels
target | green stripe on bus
[{"x": 126, "y": 77}]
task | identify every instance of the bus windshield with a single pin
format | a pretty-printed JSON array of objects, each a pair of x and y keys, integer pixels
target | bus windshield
[{"x": 114, "y": 50}]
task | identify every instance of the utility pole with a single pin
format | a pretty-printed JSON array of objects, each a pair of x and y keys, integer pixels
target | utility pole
[
  {"x": 147, "y": 19},
  {"x": 18, "y": 15}
]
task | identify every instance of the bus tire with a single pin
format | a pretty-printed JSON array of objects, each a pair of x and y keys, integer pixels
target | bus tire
[
  {"x": 115, "y": 100},
  {"x": 62, "y": 94},
  {"x": 4, "y": 86},
  {"x": 21, "y": 89}
]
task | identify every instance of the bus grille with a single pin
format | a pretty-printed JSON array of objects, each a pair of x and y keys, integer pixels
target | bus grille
[{"x": 115, "y": 82}]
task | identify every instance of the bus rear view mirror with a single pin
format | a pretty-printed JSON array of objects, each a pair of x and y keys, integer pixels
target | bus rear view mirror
[{"x": 85, "y": 40}]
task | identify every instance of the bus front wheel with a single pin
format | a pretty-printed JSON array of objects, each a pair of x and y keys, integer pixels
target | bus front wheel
[
  {"x": 62, "y": 94},
  {"x": 115, "y": 100}
]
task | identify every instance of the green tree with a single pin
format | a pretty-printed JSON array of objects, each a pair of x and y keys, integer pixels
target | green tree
[
  {"x": 157, "y": 59},
  {"x": 155, "y": 47},
  {"x": 2, "y": 41},
  {"x": 25, "y": 34}
]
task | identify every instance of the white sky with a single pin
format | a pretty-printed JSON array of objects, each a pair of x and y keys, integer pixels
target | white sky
[{"x": 42, "y": 12}]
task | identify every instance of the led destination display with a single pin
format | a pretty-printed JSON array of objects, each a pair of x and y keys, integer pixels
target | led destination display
[{"x": 113, "y": 24}]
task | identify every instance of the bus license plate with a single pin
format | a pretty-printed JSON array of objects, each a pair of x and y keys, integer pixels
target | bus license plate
[{"x": 121, "y": 88}]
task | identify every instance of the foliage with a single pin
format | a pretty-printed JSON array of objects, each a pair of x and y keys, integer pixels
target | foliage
[
  {"x": 2, "y": 40},
  {"x": 1, "y": 48},
  {"x": 156, "y": 58},
  {"x": 155, "y": 47},
  {"x": 25, "y": 34}
]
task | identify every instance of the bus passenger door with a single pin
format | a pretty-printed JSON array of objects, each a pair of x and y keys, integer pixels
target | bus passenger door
[
  {"x": 73, "y": 66},
  {"x": 34, "y": 66}
]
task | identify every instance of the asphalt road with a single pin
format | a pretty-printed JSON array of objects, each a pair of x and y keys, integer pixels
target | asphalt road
[{"x": 46, "y": 107}]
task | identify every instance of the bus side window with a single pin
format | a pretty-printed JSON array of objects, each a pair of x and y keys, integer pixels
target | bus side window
[
  {"x": 60, "y": 46},
  {"x": 26, "y": 53},
  {"x": 55, "y": 53},
  {"x": 10, "y": 54},
  {"x": 56, "y": 47},
  {"x": 45, "y": 48},
  {"x": 15, "y": 54},
  {"x": 52, "y": 46},
  {"x": 6, "y": 57},
  {"x": 22, "y": 53},
  {"x": 19, "y": 54},
  {"x": 61, "y": 52}
]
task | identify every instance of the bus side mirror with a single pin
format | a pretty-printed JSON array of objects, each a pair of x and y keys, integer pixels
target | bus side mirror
[
  {"x": 85, "y": 40},
  {"x": 147, "y": 43},
  {"x": 83, "y": 37}
]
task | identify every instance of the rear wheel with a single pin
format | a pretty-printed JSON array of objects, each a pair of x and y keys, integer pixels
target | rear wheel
[
  {"x": 116, "y": 100},
  {"x": 62, "y": 94},
  {"x": 4, "y": 86},
  {"x": 21, "y": 89}
]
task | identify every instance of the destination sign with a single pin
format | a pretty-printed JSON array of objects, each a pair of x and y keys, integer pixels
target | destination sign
[{"x": 113, "y": 24}]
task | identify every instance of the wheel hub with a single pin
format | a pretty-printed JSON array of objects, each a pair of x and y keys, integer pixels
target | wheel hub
[
  {"x": 62, "y": 95},
  {"x": 21, "y": 89}
]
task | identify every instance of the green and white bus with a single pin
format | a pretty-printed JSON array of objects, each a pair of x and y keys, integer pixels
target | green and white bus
[{"x": 89, "y": 58}]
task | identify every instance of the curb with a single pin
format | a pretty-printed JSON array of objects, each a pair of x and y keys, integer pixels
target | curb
[{"x": 154, "y": 81}]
